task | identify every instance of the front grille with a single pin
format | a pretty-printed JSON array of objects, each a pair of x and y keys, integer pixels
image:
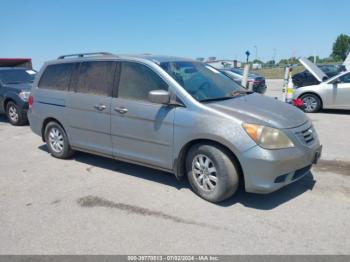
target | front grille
[{"x": 306, "y": 136}]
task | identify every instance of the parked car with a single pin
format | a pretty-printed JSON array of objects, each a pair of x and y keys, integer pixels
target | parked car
[
  {"x": 330, "y": 93},
  {"x": 173, "y": 114},
  {"x": 306, "y": 78},
  {"x": 15, "y": 85},
  {"x": 258, "y": 82}
]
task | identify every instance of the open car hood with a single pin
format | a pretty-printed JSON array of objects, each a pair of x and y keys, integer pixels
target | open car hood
[
  {"x": 313, "y": 69},
  {"x": 347, "y": 63}
]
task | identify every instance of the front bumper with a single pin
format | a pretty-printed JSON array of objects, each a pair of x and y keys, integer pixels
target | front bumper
[{"x": 266, "y": 171}]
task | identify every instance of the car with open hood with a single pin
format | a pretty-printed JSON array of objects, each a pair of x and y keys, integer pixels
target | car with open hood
[
  {"x": 174, "y": 114},
  {"x": 15, "y": 86},
  {"x": 305, "y": 78},
  {"x": 330, "y": 93}
]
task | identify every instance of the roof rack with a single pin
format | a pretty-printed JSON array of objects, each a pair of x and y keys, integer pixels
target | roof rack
[{"x": 86, "y": 54}]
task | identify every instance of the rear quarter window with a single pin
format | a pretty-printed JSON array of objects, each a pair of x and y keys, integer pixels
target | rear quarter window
[{"x": 57, "y": 77}]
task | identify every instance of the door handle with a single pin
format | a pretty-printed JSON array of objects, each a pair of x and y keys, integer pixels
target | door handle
[
  {"x": 121, "y": 110},
  {"x": 100, "y": 107}
]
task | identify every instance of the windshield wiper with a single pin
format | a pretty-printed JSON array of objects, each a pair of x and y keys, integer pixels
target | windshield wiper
[
  {"x": 15, "y": 82},
  {"x": 216, "y": 99},
  {"x": 241, "y": 92},
  {"x": 230, "y": 96}
]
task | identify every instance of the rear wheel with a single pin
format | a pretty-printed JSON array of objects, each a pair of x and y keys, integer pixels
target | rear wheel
[
  {"x": 15, "y": 114},
  {"x": 57, "y": 141},
  {"x": 312, "y": 103},
  {"x": 211, "y": 172}
]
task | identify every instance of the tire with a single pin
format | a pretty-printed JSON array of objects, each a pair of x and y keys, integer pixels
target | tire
[
  {"x": 214, "y": 186},
  {"x": 57, "y": 141},
  {"x": 312, "y": 103},
  {"x": 15, "y": 114}
]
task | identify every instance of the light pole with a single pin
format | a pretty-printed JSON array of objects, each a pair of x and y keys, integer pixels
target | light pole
[
  {"x": 256, "y": 52},
  {"x": 274, "y": 54}
]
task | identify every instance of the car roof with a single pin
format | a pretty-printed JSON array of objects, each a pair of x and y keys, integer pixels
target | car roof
[{"x": 107, "y": 56}]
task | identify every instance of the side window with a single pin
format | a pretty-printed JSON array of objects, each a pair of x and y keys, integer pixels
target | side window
[
  {"x": 136, "y": 80},
  {"x": 57, "y": 76},
  {"x": 345, "y": 78},
  {"x": 96, "y": 78}
]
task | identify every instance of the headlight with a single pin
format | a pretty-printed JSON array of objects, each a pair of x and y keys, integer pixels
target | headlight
[
  {"x": 24, "y": 95},
  {"x": 268, "y": 137}
]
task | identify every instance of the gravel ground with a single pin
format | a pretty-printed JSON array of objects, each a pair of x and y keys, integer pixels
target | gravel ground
[{"x": 95, "y": 205}]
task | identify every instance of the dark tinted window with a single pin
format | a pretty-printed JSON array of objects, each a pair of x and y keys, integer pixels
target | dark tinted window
[
  {"x": 57, "y": 76},
  {"x": 16, "y": 76},
  {"x": 137, "y": 80},
  {"x": 95, "y": 78},
  {"x": 345, "y": 78}
]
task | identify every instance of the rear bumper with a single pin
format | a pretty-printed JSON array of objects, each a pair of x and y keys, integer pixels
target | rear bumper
[
  {"x": 35, "y": 122},
  {"x": 260, "y": 88},
  {"x": 266, "y": 171}
]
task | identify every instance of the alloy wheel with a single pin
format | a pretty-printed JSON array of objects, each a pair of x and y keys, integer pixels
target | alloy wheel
[
  {"x": 204, "y": 172},
  {"x": 56, "y": 140},
  {"x": 13, "y": 113},
  {"x": 310, "y": 103}
]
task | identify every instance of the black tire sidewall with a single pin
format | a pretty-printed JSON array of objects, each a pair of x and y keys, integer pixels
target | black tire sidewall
[
  {"x": 66, "y": 152},
  {"x": 227, "y": 174},
  {"x": 318, "y": 107}
]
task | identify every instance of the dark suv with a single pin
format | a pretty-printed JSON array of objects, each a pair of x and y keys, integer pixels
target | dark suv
[{"x": 15, "y": 85}]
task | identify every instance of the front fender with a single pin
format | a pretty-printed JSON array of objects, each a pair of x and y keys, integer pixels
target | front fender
[{"x": 10, "y": 95}]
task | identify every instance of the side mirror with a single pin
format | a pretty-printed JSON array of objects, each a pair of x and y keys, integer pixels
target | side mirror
[{"x": 159, "y": 96}]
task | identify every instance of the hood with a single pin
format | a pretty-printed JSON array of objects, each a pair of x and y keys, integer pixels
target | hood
[
  {"x": 20, "y": 86},
  {"x": 259, "y": 109},
  {"x": 313, "y": 69}
]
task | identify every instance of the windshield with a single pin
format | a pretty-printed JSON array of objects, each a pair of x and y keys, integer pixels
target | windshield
[
  {"x": 16, "y": 76},
  {"x": 202, "y": 81}
]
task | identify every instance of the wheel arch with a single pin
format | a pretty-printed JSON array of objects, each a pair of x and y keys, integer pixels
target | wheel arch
[
  {"x": 45, "y": 122},
  {"x": 6, "y": 101},
  {"x": 180, "y": 161}
]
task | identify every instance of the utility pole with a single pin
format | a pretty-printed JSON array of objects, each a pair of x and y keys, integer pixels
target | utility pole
[
  {"x": 274, "y": 54},
  {"x": 256, "y": 52}
]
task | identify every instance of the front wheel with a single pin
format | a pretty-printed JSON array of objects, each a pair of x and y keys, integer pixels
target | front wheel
[
  {"x": 211, "y": 172},
  {"x": 312, "y": 103}
]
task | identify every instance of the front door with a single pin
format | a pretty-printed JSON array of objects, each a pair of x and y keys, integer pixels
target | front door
[
  {"x": 339, "y": 92},
  {"x": 141, "y": 131},
  {"x": 89, "y": 106}
]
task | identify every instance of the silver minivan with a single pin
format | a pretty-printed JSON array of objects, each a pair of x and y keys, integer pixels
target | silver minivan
[{"x": 174, "y": 114}]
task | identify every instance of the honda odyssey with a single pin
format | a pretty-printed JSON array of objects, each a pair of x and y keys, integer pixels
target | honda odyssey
[{"x": 173, "y": 114}]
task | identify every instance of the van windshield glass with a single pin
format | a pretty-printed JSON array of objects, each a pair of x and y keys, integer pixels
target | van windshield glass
[{"x": 202, "y": 81}]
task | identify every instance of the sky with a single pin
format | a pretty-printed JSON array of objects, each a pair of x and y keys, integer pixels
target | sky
[{"x": 45, "y": 29}]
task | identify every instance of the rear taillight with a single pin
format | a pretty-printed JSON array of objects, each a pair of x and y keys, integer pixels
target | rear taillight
[{"x": 30, "y": 101}]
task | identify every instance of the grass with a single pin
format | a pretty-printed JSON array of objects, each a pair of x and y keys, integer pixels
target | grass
[{"x": 276, "y": 73}]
